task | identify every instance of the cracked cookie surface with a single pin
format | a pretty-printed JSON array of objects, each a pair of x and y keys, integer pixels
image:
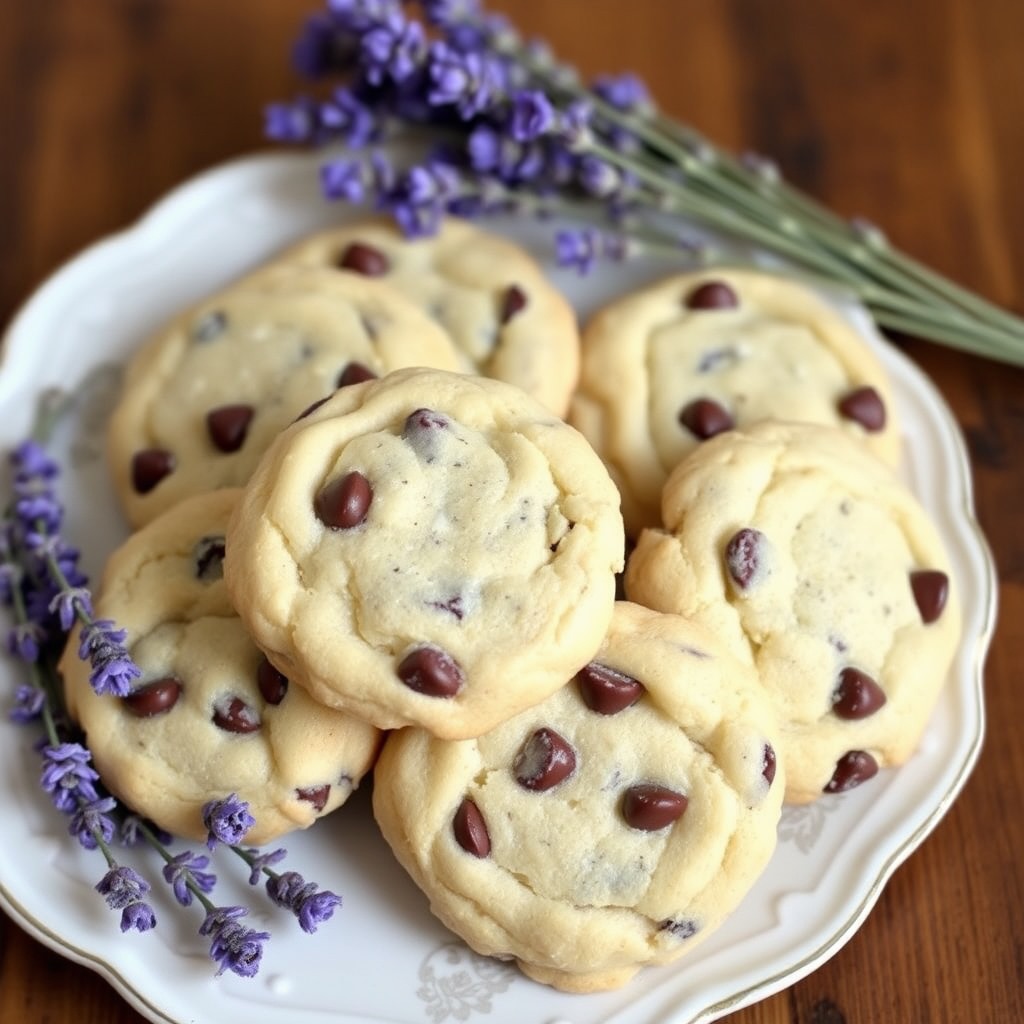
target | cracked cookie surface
[
  {"x": 813, "y": 561},
  {"x": 207, "y": 394},
  {"x": 209, "y": 716},
  {"x": 613, "y": 825},
  {"x": 669, "y": 366},
  {"x": 430, "y": 548},
  {"x": 489, "y": 294}
]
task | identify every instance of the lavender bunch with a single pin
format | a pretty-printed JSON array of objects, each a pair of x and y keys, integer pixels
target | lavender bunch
[
  {"x": 506, "y": 127},
  {"x": 47, "y": 594}
]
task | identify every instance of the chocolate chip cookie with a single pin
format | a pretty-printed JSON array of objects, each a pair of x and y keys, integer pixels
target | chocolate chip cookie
[
  {"x": 813, "y": 561},
  {"x": 614, "y": 825},
  {"x": 203, "y": 399},
  {"x": 430, "y": 549},
  {"x": 210, "y": 716},
  {"x": 488, "y": 293},
  {"x": 669, "y": 366}
]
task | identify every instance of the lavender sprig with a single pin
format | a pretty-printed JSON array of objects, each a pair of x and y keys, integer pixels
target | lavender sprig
[
  {"x": 511, "y": 114},
  {"x": 47, "y": 595}
]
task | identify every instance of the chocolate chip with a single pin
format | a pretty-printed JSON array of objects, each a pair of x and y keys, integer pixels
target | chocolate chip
[
  {"x": 743, "y": 556},
  {"x": 853, "y": 768},
  {"x": 355, "y": 373},
  {"x": 453, "y": 606},
  {"x": 232, "y": 714},
  {"x": 431, "y": 671},
  {"x": 208, "y": 556},
  {"x": 315, "y": 795},
  {"x": 857, "y": 695},
  {"x": 712, "y": 295},
  {"x": 649, "y": 808},
  {"x": 344, "y": 502},
  {"x": 543, "y": 761},
  {"x": 931, "y": 590},
  {"x": 864, "y": 406},
  {"x": 228, "y": 425},
  {"x": 311, "y": 408},
  {"x": 154, "y": 698},
  {"x": 513, "y": 302},
  {"x": 704, "y": 418},
  {"x": 471, "y": 830},
  {"x": 606, "y": 690},
  {"x": 684, "y": 929},
  {"x": 768, "y": 764},
  {"x": 273, "y": 684},
  {"x": 364, "y": 259},
  {"x": 149, "y": 467},
  {"x": 210, "y": 326},
  {"x": 422, "y": 431}
]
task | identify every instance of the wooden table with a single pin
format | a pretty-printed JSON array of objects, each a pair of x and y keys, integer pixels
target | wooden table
[{"x": 910, "y": 114}]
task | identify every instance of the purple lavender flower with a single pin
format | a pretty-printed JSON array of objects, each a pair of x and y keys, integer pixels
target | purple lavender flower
[
  {"x": 102, "y": 645},
  {"x": 233, "y": 947},
  {"x": 92, "y": 820},
  {"x": 297, "y": 122},
  {"x": 357, "y": 16},
  {"x": 466, "y": 80},
  {"x": 188, "y": 868},
  {"x": 624, "y": 92},
  {"x": 67, "y": 776},
  {"x": 68, "y": 604},
  {"x": 32, "y": 465},
  {"x": 28, "y": 704},
  {"x": 322, "y": 46},
  {"x": 581, "y": 248},
  {"x": 130, "y": 832},
  {"x": 346, "y": 117},
  {"x": 24, "y": 640},
  {"x": 598, "y": 177},
  {"x": 227, "y": 821},
  {"x": 392, "y": 49},
  {"x": 532, "y": 115},
  {"x": 343, "y": 179},
  {"x": 312, "y": 907},
  {"x": 123, "y": 890},
  {"x": 447, "y": 12},
  {"x": 40, "y": 513},
  {"x": 260, "y": 861}
]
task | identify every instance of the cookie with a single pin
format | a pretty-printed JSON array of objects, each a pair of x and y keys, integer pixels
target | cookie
[
  {"x": 488, "y": 293},
  {"x": 206, "y": 396},
  {"x": 209, "y": 715},
  {"x": 431, "y": 549},
  {"x": 813, "y": 561},
  {"x": 667, "y": 367},
  {"x": 614, "y": 825}
]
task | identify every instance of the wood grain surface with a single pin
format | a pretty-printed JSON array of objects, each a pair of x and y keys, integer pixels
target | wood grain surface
[{"x": 909, "y": 113}]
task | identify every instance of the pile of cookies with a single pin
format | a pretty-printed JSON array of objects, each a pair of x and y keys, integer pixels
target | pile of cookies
[{"x": 382, "y": 491}]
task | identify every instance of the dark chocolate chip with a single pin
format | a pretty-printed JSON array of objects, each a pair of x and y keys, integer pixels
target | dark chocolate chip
[
  {"x": 471, "y": 830},
  {"x": 344, "y": 502},
  {"x": 355, "y": 373},
  {"x": 606, "y": 690},
  {"x": 273, "y": 684},
  {"x": 232, "y": 714},
  {"x": 743, "y": 556},
  {"x": 513, "y": 302},
  {"x": 684, "y": 929},
  {"x": 768, "y": 764},
  {"x": 154, "y": 698},
  {"x": 543, "y": 761},
  {"x": 649, "y": 807},
  {"x": 705, "y": 418},
  {"x": 364, "y": 259},
  {"x": 430, "y": 671},
  {"x": 864, "y": 406},
  {"x": 857, "y": 695},
  {"x": 853, "y": 768},
  {"x": 931, "y": 590},
  {"x": 208, "y": 556},
  {"x": 712, "y": 295},
  {"x": 315, "y": 795},
  {"x": 228, "y": 425},
  {"x": 422, "y": 432},
  {"x": 149, "y": 467},
  {"x": 210, "y": 326}
]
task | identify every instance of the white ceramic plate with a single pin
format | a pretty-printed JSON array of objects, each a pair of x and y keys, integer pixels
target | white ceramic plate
[{"x": 383, "y": 957}]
